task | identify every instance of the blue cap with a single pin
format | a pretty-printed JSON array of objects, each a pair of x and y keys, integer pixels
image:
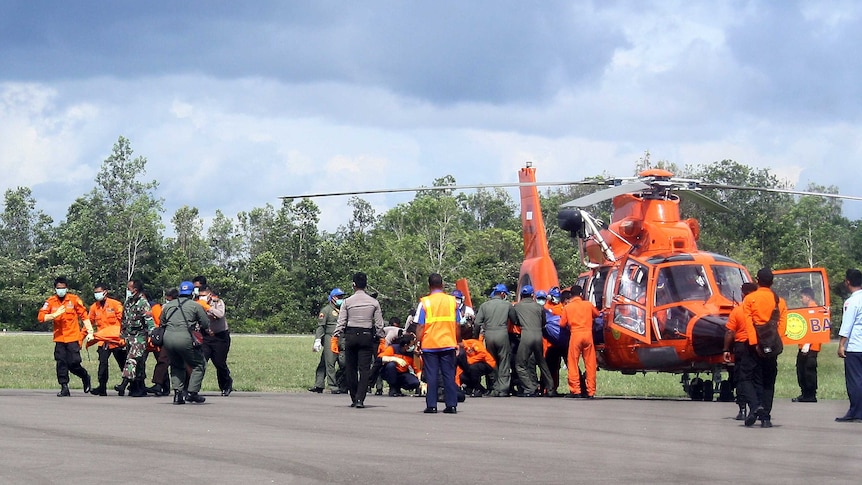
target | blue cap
[
  {"x": 501, "y": 288},
  {"x": 527, "y": 290},
  {"x": 541, "y": 294},
  {"x": 458, "y": 294},
  {"x": 186, "y": 288},
  {"x": 555, "y": 292},
  {"x": 335, "y": 292}
]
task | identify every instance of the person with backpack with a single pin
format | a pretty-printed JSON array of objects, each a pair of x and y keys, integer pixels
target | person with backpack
[
  {"x": 764, "y": 309},
  {"x": 180, "y": 318}
]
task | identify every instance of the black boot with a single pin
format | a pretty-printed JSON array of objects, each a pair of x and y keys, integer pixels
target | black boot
[
  {"x": 179, "y": 397},
  {"x": 64, "y": 391},
  {"x": 121, "y": 387},
  {"x": 138, "y": 389},
  {"x": 87, "y": 383},
  {"x": 102, "y": 390},
  {"x": 195, "y": 398}
]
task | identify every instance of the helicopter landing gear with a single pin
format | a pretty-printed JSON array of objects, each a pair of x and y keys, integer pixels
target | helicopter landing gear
[{"x": 698, "y": 389}]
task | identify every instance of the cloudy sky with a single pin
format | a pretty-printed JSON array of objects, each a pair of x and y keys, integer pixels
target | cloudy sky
[{"x": 237, "y": 103}]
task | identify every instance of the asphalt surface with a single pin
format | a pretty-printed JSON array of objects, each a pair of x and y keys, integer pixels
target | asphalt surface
[{"x": 307, "y": 438}]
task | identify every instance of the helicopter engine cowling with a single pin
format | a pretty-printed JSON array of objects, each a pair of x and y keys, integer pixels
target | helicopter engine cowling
[{"x": 707, "y": 335}]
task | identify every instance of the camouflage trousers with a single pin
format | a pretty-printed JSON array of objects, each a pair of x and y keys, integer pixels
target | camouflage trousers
[{"x": 136, "y": 346}]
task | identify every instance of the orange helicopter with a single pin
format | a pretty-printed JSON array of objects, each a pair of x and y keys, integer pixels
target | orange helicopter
[{"x": 664, "y": 303}]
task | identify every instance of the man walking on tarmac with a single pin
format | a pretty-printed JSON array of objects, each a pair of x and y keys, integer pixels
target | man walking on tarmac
[{"x": 64, "y": 310}]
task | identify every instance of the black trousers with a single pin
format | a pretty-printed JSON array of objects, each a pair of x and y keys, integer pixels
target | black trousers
[
  {"x": 746, "y": 375},
  {"x": 68, "y": 357},
  {"x": 768, "y": 367},
  {"x": 472, "y": 375},
  {"x": 806, "y": 373},
  {"x": 556, "y": 356},
  {"x": 105, "y": 354},
  {"x": 216, "y": 347},
  {"x": 359, "y": 348},
  {"x": 853, "y": 381}
]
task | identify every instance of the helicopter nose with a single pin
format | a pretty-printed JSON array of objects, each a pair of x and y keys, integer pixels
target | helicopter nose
[{"x": 707, "y": 335}]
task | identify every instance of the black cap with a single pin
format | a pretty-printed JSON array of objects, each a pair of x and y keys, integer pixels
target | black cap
[{"x": 764, "y": 276}]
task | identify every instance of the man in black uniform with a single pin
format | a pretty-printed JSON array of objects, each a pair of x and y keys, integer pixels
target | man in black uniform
[{"x": 361, "y": 323}]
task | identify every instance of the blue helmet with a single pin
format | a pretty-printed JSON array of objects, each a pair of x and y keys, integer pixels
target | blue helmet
[
  {"x": 501, "y": 288},
  {"x": 458, "y": 294},
  {"x": 541, "y": 295},
  {"x": 335, "y": 292},
  {"x": 527, "y": 290},
  {"x": 555, "y": 292}
]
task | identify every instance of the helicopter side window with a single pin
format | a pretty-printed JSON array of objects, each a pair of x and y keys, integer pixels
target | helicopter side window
[{"x": 609, "y": 286}]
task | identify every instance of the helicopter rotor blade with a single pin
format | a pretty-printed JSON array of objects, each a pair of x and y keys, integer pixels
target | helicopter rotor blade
[
  {"x": 778, "y": 191},
  {"x": 444, "y": 187},
  {"x": 605, "y": 194},
  {"x": 703, "y": 200}
]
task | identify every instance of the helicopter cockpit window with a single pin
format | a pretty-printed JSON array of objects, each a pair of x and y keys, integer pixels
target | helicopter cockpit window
[
  {"x": 633, "y": 283},
  {"x": 729, "y": 280},
  {"x": 687, "y": 282}
]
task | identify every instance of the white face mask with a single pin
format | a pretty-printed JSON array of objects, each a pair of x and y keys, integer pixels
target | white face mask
[
  {"x": 99, "y": 296},
  {"x": 61, "y": 292},
  {"x": 129, "y": 294},
  {"x": 541, "y": 301},
  {"x": 411, "y": 348}
]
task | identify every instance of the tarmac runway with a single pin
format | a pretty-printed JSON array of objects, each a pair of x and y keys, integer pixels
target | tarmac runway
[{"x": 306, "y": 438}]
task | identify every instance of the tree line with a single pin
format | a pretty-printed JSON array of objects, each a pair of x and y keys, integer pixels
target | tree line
[{"x": 274, "y": 266}]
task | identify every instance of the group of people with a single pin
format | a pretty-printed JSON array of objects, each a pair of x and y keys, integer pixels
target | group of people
[
  {"x": 756, "y": 365},
  {"x": 195, "y": 331},
  {"x": 514, "y": 349}
]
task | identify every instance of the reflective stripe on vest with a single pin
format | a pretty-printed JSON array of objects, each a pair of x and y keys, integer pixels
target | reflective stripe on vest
[{"x": 440, "y": 324}]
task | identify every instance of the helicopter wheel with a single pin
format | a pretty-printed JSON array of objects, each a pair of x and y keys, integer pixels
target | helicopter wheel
[
  {"x": 708, "y": 391},
  {"x": 725, "y": 392},
  {"x": 695, "y": 389}
]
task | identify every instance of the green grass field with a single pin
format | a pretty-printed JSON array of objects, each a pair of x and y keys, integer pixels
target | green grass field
[{"x": 286, "y": 364}]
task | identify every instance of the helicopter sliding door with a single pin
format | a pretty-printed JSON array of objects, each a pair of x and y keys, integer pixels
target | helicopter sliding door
[
  {"x": 628, "y": 303},
  {"x": 809, "y": 323}
]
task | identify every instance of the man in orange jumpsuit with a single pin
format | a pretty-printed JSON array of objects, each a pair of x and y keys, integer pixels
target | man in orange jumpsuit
[
  {"x": 578, "y": 316},
  {"x": 806, "y": 359},
  {"x": 105, "y": 313},
  {"x": 759, "y": 306},
  {"x": 64, "y": 310},
  {"x": 736, "y": 344}
]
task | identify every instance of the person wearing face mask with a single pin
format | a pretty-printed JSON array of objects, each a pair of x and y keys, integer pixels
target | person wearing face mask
[
  {"x": 65, "y": 310},
  {"x": 399, "y": 370},
  {"x": 327, "y": 319},
  {"x": 216, "y": 345},
  {"x": 137, "y": 323},
  {"x": 107, "y": 315}
]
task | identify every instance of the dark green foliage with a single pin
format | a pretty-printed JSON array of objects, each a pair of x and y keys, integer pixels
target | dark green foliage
[{"x": 274, "y": 268}]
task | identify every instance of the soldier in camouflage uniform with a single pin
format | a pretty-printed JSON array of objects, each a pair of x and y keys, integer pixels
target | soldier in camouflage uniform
[
  {"x": 137, "y": 324},
  {"x": 326, "y": 322}
]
